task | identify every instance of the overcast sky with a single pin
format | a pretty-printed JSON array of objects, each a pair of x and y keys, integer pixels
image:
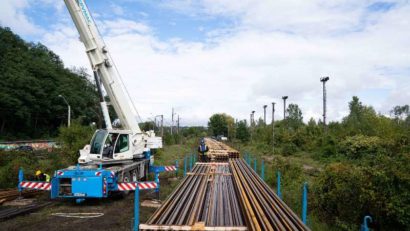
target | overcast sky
[{"x": 205, "y": 57}]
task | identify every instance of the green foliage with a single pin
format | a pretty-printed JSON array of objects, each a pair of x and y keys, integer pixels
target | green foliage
[
  {"x": 31, "y": 78},
  {"x": 242, "y": 131},
  {"x": 294, "y": 117},
  {"x": 11, "y": 161},
  {"x": 221, "y": 124},
  {"x": 345, "y": 192},
  {"x": 73, "y": 138},
  {"x": 355, "y": 147}
]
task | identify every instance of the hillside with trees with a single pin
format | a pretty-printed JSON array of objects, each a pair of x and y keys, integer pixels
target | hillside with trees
[{"x": 32, "y": 77}]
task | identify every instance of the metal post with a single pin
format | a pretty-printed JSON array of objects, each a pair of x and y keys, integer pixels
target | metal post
[
  {"x": 254, "y": 164},
  {"x": 284, "y": 106},
  {"x": 69, "y": 116},
  {"x": 264, "y": 114},
  {"x": 157, "y": 181},
  {"x": 190, "y": 162},
  {"x": 172, "y": 120},
  {"x": 185, "y": 164},
  {"x": 263, "y": 170},
  {"x": 365, "y": 226},
  {"x": 162, "y": 126},
  {"x": 278, "y": 186},
  {"x": 324, "y": 80},
  {"x": 136, "y": 208},
  {"x": 21, "y": 178},
  {"x": 273, "y": 127},
  {"x": 304, "y": 203},
  {"x": 177, "y": 168}
]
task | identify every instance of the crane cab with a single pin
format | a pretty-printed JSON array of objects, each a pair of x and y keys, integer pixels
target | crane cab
[{"x": 107, "y": 146}]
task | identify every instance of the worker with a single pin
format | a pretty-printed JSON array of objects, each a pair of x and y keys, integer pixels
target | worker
[
  {"x": 41, "y": 176},
  {"x": 109, "y": 147},
  {"x": 203, "y": 149}
]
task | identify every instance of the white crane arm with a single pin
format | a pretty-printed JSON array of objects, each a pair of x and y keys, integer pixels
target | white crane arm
[{"x": 102, "y": 63}]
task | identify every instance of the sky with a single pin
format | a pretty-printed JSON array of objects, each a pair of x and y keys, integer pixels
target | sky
[{"x": 204, "y": 57}]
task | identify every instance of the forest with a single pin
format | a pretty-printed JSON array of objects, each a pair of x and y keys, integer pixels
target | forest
[{"x": 32, "y": 77}]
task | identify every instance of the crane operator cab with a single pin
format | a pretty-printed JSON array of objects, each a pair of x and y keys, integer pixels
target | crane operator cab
[{"x": 109, "y": 145}]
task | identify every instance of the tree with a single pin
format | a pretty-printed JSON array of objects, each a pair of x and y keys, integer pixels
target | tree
[
  {"x": 242, "y": 131},
  {"x": 295, "y": 118},
  {"x": 219, "y": 124}
]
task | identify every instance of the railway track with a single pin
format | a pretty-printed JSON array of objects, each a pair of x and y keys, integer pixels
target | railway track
[
  {"x": 11, "y": 194},
  {"x": 225, "y": 195}
]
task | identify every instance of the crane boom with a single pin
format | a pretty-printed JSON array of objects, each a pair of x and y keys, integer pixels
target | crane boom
[{"x": 102, "y": 63}]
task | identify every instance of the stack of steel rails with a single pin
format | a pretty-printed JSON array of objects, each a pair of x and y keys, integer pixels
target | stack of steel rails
[
  {"x": 11, "y": 194},
  {"x": 263, "y": 209},
  {"x": 204, "y": 200},
  {"x": 12, "y": 212},
  {"x": 219, "y": 151},
  {"x": 223, "y": 196}
]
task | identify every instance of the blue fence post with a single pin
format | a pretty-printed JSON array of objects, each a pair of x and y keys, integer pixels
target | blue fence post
[
  {"x": 365, "y": 226},
  {"x": 263, "y": 170},
  {"x": 136, "y": 208},
  {"x": 176, "y": 168},
  {"x": 248, "y": 159},
  {"x": 157, "y": 181},
  {"x": 185, "y": 164},
  {"x": 304, "y": 203},
  {"x": 254, "y": 164},
  {"x": 21, "y": 178},
  {"x": 190, "y": 162},
  {"x": 278, "y": 186}
]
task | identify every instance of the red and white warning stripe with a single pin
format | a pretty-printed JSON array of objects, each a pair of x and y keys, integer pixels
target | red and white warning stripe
[
  {"x": 112, "y": 174},
  {"x": 170, "y": 168},
  {"x": 141, "y": 186},
  {"x": 147, "y": 185},
  {"x": 60, "y": 173},
  {"x": 36, "y": 185}
]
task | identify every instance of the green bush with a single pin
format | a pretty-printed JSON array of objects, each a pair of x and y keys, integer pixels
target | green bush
[
  {"x": 344, "y": 193},
  {"x": 289, "y": 149},
  {"x": 356, "y": 147},
  {"x": 74, "y": 138}
]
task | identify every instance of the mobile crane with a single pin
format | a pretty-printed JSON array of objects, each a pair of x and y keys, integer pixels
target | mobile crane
[{"x": 114, "y": 157}]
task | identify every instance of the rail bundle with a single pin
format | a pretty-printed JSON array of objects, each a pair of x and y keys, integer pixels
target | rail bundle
[{"x": 223, "y": 196}]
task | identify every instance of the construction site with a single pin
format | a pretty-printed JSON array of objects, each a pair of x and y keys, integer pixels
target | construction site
[
  {"x": 223, "y": 193},
  {"x": 188, "y": 132}
]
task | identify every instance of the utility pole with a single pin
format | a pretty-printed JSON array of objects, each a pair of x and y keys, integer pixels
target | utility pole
[
  {"x": 172, "y": 121},
  {"x": 284, "y": 106},
  {"x": 273, "y": 127},
  {"x": 69, "y": 110},
  {"x": 162, "y": 126},
  {"x": 253, "y": 118},
  {"x": 178, "y": 125},
  {"x": 324, "y": 80},
  {"x": 264, "y": 113}
]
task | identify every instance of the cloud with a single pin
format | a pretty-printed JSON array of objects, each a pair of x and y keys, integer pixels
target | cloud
[
  {"x": 12, "y": 15},
  {"x": 275, "y": 48}
]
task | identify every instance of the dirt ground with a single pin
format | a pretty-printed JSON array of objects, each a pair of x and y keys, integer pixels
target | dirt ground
[{"x": 118, "y": 213}]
